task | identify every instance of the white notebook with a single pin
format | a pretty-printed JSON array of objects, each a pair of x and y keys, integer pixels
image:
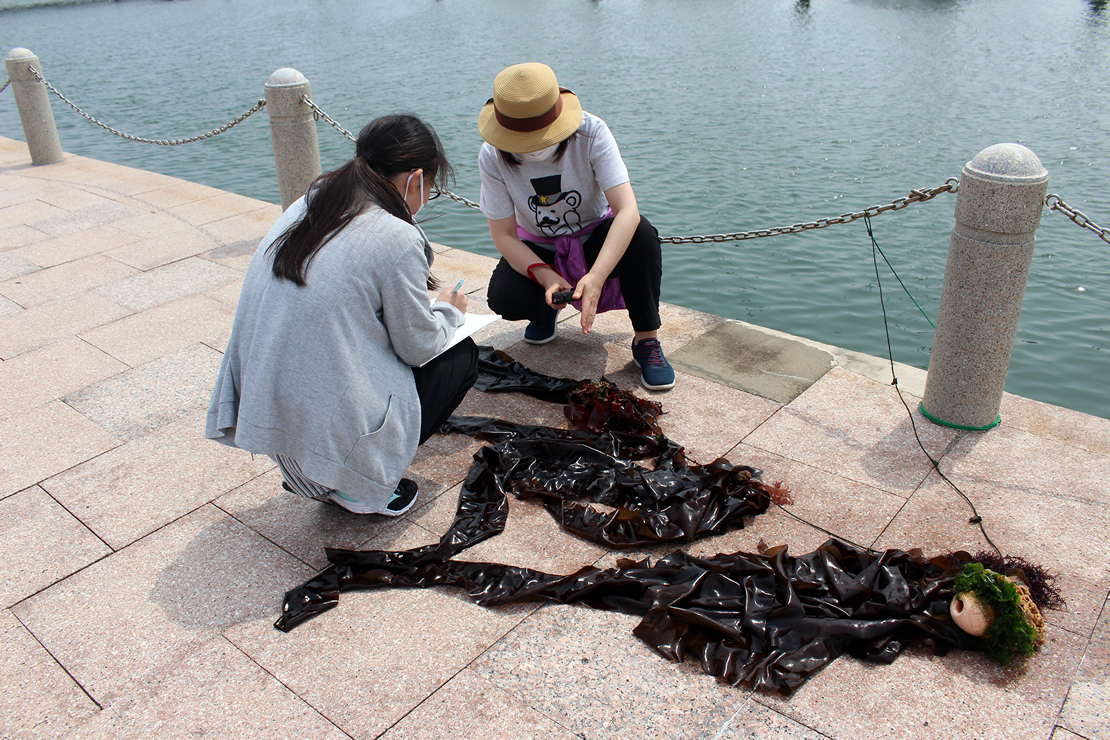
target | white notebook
[{"x": 473, "y": 323}]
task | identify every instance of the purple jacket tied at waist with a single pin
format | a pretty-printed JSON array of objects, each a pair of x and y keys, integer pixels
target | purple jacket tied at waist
[{"x": 570, "y": 261}]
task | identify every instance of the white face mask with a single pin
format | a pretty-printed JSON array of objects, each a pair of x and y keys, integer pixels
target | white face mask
[
  {"x": 543, "y": 155},
  {"x": 420, "y": 192}
]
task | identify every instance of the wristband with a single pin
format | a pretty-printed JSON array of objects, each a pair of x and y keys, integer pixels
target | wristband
[{"x": 541, "y": 264}]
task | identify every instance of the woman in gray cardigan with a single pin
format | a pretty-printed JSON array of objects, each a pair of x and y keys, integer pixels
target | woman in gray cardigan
[{"x": 335, "y": 366}]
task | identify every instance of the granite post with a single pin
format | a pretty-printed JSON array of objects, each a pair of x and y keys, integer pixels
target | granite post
[
  {"x": 293, "y": 133},
  {"x": 998, "y": 209},
  {"x": 33, "y": 101}
]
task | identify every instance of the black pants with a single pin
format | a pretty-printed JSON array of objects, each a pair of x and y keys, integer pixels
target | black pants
[
  {"x": 442, "y": 384},
  {"x": 516, "y": 297}
]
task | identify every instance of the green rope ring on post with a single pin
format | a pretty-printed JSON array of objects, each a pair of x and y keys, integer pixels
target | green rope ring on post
[{"x": 935, "y": 420}]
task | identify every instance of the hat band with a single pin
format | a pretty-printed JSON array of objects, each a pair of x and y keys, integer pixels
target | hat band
[{"x": 535, "y": 123}]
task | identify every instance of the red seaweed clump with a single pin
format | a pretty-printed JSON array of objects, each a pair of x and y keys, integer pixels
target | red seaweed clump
[{"x": 599, "y": 406}]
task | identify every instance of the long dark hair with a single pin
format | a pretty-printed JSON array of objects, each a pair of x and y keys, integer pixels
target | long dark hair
[{"x": 387, "y": 146}]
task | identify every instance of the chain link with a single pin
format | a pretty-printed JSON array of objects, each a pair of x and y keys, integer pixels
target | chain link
[
  {"x": 951, "y": 185},
  {"x": 160, "y": 142},
  {"x": 5, "y": 87},
  {"x": 1053, "y": 203},
  {"x": 317, "y": 113}
]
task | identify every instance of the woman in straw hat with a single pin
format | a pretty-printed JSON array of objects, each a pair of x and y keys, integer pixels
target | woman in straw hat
[
  {"x": 336, "y": 365},
  {"x": 563, "y": 216}
]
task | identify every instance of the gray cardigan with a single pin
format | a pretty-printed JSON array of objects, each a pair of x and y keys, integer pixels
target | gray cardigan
[{"x": 323, "y": 374}]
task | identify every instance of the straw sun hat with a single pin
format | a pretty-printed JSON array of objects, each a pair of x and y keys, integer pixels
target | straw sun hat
[{"x": 528, "y": 110}]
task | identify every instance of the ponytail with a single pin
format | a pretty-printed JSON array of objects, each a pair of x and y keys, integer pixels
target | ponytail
[{"x": 385, "y": 147}]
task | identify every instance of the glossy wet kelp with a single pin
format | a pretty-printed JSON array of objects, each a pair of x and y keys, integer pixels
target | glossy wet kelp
[{"x": 766, "y": 619}]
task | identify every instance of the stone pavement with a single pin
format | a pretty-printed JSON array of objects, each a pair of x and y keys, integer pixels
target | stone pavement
[{"x": 143, "y": 566}]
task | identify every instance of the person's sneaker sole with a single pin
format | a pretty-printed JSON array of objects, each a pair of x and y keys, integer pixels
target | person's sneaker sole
[
  {"x": 542, "y": 341},
  {"x": 645, "y": 384}
]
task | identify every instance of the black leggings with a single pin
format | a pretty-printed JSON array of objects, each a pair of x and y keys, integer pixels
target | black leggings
[
  {"x": 517, "y": 297},
  {"x": 442, "y": 384}
]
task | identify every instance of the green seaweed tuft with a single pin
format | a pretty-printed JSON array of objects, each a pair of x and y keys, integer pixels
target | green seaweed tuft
[{"x": 1011, "y": 632}]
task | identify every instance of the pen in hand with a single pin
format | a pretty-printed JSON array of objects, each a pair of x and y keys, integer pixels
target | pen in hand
[{"x": 458, "y": 285}]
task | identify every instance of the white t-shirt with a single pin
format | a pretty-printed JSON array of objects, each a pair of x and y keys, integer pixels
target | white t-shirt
[{"x": 555, "y": 198}]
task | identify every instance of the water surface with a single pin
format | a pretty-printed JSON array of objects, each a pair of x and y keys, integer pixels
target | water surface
[{"x": 731, "y": 115}]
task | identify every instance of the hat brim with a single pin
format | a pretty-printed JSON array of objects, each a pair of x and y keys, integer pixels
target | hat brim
[{"x": 518, "y": 142}]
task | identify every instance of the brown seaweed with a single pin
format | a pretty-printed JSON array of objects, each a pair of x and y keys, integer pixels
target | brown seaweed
[{"x": 769, "y": 620}]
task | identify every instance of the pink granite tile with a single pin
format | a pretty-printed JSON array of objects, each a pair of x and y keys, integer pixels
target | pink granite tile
[
  {"x": 142, "y": 485},
  {"x": 130, "y": 619},
  {"x": 71, "y": 197},
  {"x": 532, "y": 538},
  {"x": 146, "y": 398},
  {"x": 48, "y": 322},
  {"x": 169, "y": 246},
  {"x": 59, "y": 250},
  {"x": 960, "y": 695},
  {"x": 854, "y": 511},
  {"x": 300, "y": 526},
  {"x": 15, "y": 237},
  {"x": 212, "y": 690},
  {"x": 469, "y": 706},
  {"x": 165, "y": 329},
  {"x": 856, "y": 428},
  {"x": 1055, "y": 423},
  {"x": 43, "y": 442},
  {"x": 373, "y": 659},
  {"x": 1062, "y": 734},
  {"x": 571, "y": 355},
  {"x": 706, "y": 418},
  {"x": 176, "y": 194},
  {"x": 514, "y": 407},
  {"x": 253, "y": 224},
  {"x": 42, "y": 375},
  {"x": 453, "y": 264},
  {"x": 585, "y": 669},
  {"x": 168, "y": 283},
  {"x": 75, "y": 221},
  {"x": 29, "y": 213},
  {"x": 1067, "y": 537},
  {"x": 9, "y": 308},
  {"x": 228, "y": 293},
  {"x": 678, "y": 325},
  {"x": 216, "y": 208},
  {"x": 1087, "y": 709},
  {"x": 40, "y": 543},
  {"x": 64, "y": 280},
  {"x": 39, "y": 699},
  {"x": 236, "y": 255},
  {"x": 110, "y": 179}
]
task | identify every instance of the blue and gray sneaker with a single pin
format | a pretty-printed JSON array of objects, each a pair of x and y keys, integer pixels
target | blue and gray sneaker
[
  {"x": 656, "y": 374},
  {"x": 542, "y": 332}
]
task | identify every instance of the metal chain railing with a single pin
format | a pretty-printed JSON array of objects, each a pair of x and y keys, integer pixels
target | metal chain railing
[
  {"x": 951, "y": 185},
  {"x": 161, "y": 142},
  {"x": 5, "y": 85},
  {"x": 917, "y": 195},
  {"x": 317, "y": 113},
  {"x": 1053, "y": 203}
]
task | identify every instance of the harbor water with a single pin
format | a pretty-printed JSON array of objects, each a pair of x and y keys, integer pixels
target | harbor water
[{"x": 732, "y": 115}]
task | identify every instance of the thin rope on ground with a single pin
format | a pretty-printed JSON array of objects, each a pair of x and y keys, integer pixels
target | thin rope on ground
[{"x": 976, "y": 518}]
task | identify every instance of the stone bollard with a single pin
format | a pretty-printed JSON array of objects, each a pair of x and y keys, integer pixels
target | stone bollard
[
  {"x": 998, "y": 209},
  {"x": 293, "y": 133},
  {"x": 33, "y": 101}
]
